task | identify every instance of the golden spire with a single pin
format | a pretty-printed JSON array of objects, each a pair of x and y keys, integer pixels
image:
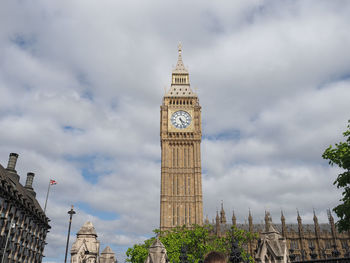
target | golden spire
[
  {"x": 180, "y": 79},
  {"x": 180, "y": 67}
]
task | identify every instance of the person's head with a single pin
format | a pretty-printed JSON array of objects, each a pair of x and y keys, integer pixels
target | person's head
[{"x": 215, "y": 257}]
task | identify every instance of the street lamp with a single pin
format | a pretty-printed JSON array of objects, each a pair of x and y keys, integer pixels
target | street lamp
[{"x": 71, "y": 212}]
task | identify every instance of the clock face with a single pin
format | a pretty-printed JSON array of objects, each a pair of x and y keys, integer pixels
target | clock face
[{"x": 181, "y": 119}]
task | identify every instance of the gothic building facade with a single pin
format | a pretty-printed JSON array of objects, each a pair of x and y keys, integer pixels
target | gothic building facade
[
  {"x": 181, "y": 180},
  {"x": 86, "y": 247},
  {"x": 23, "y": 223},
  {"x": 319, "y": 238},
  {"x": 180, "y": 134}
]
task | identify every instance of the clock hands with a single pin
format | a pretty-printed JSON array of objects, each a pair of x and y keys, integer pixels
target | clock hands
[{"x": 181, "y": 119}]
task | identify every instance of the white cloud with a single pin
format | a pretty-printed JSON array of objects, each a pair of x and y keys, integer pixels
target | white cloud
[{"x": 81, "y": 84}]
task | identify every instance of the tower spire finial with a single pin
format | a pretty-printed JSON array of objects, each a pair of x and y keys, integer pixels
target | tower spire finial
[
  {"x": 180, "y": 67},
  {"x": 180, "y": 79}
]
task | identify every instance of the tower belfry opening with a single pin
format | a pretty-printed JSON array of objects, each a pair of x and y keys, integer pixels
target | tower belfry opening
[
  {"x": 181, "y": 133},
  {"x": 180, "y": 80},
  {"x": 180, "y": 74}
]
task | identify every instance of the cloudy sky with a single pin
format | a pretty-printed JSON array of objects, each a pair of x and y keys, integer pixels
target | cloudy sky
[{"x": 81, "y": 83}]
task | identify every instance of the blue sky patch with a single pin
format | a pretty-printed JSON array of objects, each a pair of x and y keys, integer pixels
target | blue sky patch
[
  {"x": 87, "y": 95},
  {"x": 71, "y": 129},
  {"x": 89, "y": 174},
  {"x": 23, "y": 41},
  {"x": 226, "y": 135},
  {"x": 334, "y": 79},
  {"x": 86, "y": 164},
  {"x": 103, "y": 215}
]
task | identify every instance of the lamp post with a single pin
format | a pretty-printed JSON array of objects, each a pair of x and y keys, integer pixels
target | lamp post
[{"x": 71, "y": 212}]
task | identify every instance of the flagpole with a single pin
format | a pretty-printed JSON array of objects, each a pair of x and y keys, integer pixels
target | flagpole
[{"x": 47, "y": 195}]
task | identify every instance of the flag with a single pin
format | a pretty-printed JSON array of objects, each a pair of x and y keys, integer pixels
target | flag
[{"x": 52, "y": 182}]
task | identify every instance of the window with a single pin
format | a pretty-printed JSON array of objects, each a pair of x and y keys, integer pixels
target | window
[
  {"x": 311, "y": 243},
  {"x": 5, "y": 206},
  {"x": 344, "y": 244},
  {"x": 294, "y": 244}
]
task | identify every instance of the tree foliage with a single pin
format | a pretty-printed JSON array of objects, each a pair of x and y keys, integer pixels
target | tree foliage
[
  {"x": 340, "y": 155},
  {"x": 198, "y": 240}
]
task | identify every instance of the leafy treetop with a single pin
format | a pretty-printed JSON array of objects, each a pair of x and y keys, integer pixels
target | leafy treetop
[
  {"x": 340, "y": 155},
  {"x": 198, "y": 241}
]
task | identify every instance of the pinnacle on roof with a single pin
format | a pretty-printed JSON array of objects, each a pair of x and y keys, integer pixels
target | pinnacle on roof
[
  {"x": 282, "y": 216},
  {"x": 271, "y": 228},
  {"x": 180, "y": 80},
  {"x": 222, "y": 212},
  {"x": 330, "y": 217},
  {"x": 315, "y": 217},
  {"x": 157, "y": 243},
  {"x": 233, "y": 218},
  {"x": 206, "y": 220},
  {"x": 233, "y": 215},
  {"x": 298, "y": 217},
  {"x": 87, "y": 229},
  {"x": 267, "y": 215},
  {"x": 180, "y": 67},
  {"x": 107, "y": 250}
]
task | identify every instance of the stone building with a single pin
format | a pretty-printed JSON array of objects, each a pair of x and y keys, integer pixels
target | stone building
[
  {"x": 180, "y": 134},
  {"x": 107, "y": 256},
  {"x": 86, "y": 247},
  {"x": 271, "y": 247},
  {"x": 181, "y": 180},
  {"x": 322, "y": 238},
  {"x": 23, "y": 223},
  {"x": 157, "y": 253}
]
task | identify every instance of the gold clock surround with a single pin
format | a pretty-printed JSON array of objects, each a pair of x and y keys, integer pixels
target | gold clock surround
[{"x": 172, "y": 128}]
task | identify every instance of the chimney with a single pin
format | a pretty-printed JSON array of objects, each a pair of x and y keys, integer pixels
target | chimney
[
  {"x": 12, "y": 164},
  {"x": 29, "y": 183}
]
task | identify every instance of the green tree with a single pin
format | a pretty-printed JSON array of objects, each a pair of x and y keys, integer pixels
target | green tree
[
  {"x": 198, "y": 240},
  {"x": 340, "y": 155},
  {"x": 138, "y": 253}
]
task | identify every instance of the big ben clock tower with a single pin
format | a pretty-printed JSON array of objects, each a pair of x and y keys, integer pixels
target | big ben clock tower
[{"x": 181, "y": 172}]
